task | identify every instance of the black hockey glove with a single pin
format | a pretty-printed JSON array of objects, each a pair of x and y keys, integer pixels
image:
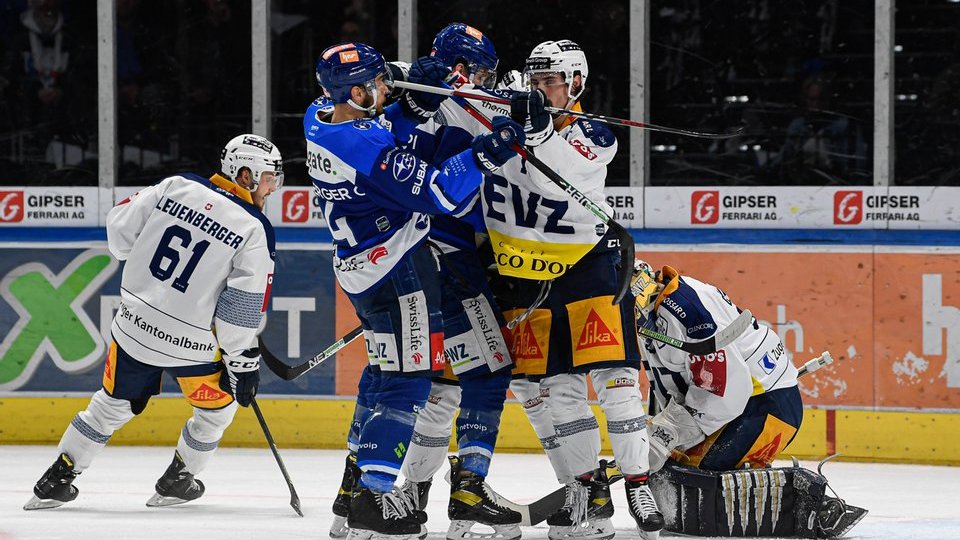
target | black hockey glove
[
  {"x": 526, "y": 108},
  {"x": 241, "y": 378},
  {"x": 492, "y": 150},
  {"x": 429, "y": 71}
]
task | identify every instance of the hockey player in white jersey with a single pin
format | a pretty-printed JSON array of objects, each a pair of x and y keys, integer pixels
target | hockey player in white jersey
[
  {"x": 199, "y": 258},
  {"x": 539, "y": 233},
  {"x": 739, "y": 405}
]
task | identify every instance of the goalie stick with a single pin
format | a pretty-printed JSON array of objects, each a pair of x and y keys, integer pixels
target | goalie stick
[{"x": 712, "y": 344}]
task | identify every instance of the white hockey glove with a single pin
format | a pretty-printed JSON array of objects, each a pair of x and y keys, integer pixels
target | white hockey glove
[
  {"x": 526, "y": 108},
  {"x": 241, "y": 378},
  {"x": 673, "y": 428},
  {"x": 512, "y": 80}
]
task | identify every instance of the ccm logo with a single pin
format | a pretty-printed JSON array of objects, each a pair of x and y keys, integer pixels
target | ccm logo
[
  {"x": 296, "y": 206},
  {"x": 847, "y": 207},
  {"x": 704, "y": 207}
]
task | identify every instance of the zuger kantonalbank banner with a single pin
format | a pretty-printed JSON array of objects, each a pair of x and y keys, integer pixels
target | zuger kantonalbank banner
[{"x": 58, "y": 304}]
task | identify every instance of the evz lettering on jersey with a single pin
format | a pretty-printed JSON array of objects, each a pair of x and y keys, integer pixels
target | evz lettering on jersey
[
  {"x": 710, "y": 371},
  {"x": 525, "y": 212},
  {"x": 200, "y": 220}
]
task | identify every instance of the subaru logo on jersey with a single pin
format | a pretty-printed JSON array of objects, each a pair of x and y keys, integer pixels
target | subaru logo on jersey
[
  {"x": 403, "y": 164},
  {"x": 362, "y": 125}
]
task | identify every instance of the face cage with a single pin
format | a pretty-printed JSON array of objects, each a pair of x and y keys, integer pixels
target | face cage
[{"x": 371, "y": 88}]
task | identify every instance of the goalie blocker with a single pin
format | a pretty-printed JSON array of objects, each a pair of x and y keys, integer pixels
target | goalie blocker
[{"x": 775, "y": 501}]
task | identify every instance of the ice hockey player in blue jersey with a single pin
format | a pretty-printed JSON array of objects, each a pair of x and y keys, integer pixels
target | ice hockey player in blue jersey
[
  {"x": 377, "y": 198},
  {"x": 479, "y": 364},
  {"x": 199, "y": 260}
]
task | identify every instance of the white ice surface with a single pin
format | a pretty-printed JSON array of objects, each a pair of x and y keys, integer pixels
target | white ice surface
[{"x": 246, "y": 496}]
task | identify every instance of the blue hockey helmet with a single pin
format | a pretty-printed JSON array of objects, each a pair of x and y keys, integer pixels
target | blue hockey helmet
[
  {"x": 460, "y": 43},
  {"x": 343, "y": 66}
]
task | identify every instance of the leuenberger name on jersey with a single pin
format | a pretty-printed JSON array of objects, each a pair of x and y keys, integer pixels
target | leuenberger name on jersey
[{"x": 200, "y": 220}]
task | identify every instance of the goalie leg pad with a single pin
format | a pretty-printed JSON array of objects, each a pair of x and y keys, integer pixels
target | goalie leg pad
[
  {"x": 431, "y": 434},
  {"x": 90, "y": 429},
  {"x": 201, "y": 435},
  {"x": 782, "y": 502},
  {"x": 622, "y": 403},
  {"x": 479, "y": 422},
  {"x": 577, "y": 431}
]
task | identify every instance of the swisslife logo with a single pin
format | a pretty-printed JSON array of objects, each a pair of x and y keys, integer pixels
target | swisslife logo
[
  {"x": 296, "y": 206},
  {"x": 11, "y": 206},
  {"x": 847, "y": 207},
  {"x": 704, "y": 207}
]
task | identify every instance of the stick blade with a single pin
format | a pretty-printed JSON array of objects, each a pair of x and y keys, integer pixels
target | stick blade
[
  {"x": 278, "y": 368},
  {"x": 295, "y": 502},
  {"x": 627, "y": 254}
]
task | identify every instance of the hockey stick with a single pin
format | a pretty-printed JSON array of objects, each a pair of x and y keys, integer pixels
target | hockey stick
[
  {"x": 812, "y": 365},
  {"x": 712, "y": 344},
  {"x": 578, "y": 114},
  {"x": 624, "y": 239},
  {"x": 289, "y": 373},
  {"x": 294, "y": 499}
]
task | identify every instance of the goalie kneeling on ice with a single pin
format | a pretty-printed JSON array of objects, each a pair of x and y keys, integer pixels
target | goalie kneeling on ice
[{"x": 773, "y": 501}]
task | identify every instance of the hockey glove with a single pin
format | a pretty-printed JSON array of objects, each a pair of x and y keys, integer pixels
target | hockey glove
[
  {"x": 492, "y": 150},
  {"x": 241, "y": 378},
  {"x": 526, "y": 108},
  {"x": 398, "y": 72},
  {"x": 512, "y": 80},
  {"x": 429, "y": 71},
  {"x": 673, "y": 428}
]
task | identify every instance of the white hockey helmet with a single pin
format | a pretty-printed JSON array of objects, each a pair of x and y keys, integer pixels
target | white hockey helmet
[
  {"x": 562, "y": 56},
  {"x": 256, "y": 154}
]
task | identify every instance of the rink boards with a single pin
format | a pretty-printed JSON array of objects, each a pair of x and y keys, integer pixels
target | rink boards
[{"x": 886, "y": 305}]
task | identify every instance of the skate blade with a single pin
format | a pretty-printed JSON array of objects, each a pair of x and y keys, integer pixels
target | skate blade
[
  {"x": 599, "y": 529},
  {"x": 849, "y": 520},
  {"x": 159, "y": 500},
  {"x": 461, "y": 530},
  {"x": 36, "y": 503},
  {"x": 364, "y": 534},
  {"x": 339, "y": 529}
]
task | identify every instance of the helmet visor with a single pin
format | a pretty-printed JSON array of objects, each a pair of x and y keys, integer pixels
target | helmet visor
[
  {"x": 483, "y": 76},
  {"x": 271, "y": 177}
]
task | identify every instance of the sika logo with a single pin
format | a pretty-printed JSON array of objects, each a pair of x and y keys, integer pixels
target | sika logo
[
  {"x": 376, "y": 254},
  {"x": 206, "y": 393},
  {"x": 296, "y": 206},
  {"x": 11, "y": 206},
  {"x": 847, "y": 207},
  {"x": 704, "y": 207}
]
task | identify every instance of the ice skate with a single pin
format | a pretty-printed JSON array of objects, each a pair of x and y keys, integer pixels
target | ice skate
[
  {"x": 55, "y": 487},
  {"x": 341, "y": 504},
  {"x": 586, "y": 512},
  {"x": 176, "y": 486},
  {"x": 472, "y": 502},
  {"x": 418, "y": 493},
  {"x": 837, "y": 517},
  {"x": 643, "y": 508},
  {"x": 382, "y": 516}
]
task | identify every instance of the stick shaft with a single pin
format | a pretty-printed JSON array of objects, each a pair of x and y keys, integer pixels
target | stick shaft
[{"x": 294, "y": 499}]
